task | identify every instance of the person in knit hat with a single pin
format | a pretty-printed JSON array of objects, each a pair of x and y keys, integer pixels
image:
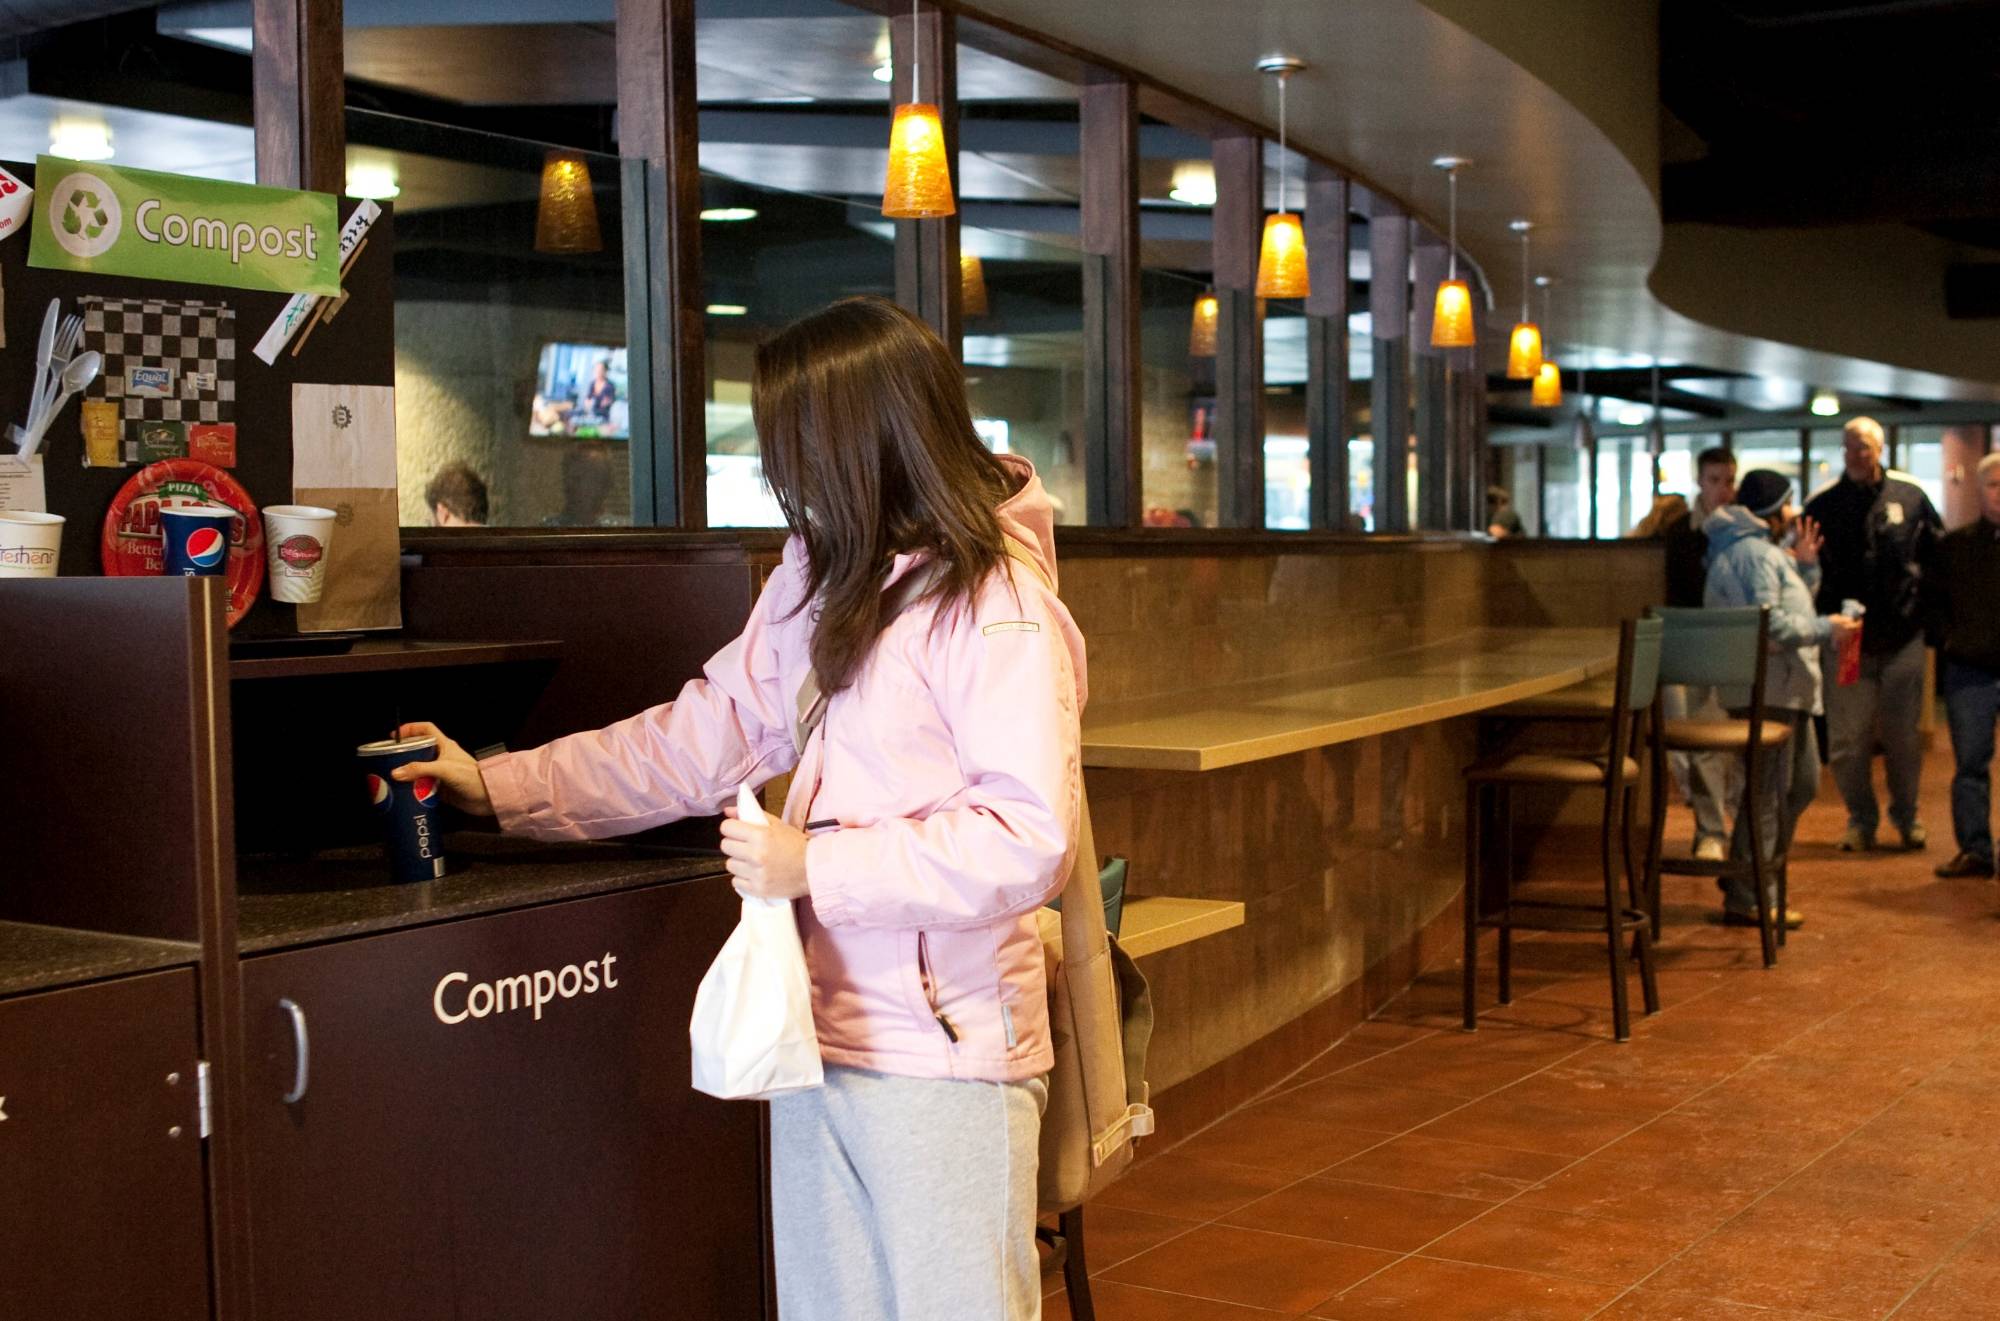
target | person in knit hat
[{"x": 1747, "y": 567}]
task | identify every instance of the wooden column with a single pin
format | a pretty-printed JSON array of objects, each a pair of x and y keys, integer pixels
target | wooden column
[
  {"x": 1474, "y": 463},
  {"x": 1389, "y": 309},
  {"x": 1327, "y": 422},
  {"x": 1239, "y": 337},
  {"x": 1432, "y": 407},
  {"x": 1111, "y": 388},
  {"x": 658, "y": 130},
  {"x": 299, "y": 94},
  {"x": 927, "y": 279}
]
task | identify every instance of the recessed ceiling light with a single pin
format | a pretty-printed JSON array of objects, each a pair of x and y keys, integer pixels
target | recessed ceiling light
[
  {"x": 727, "y": 309},
  {"x": 372, "y": 179},
  {"x": 726, "y": 213},
  {"x": 80, "y": 140},
  {"x": 1194, "y": 184},
  {"x": 884, "y": 72},
  {"x": 1825, "y": 403},
  {"x": 1632, "y": 415}
]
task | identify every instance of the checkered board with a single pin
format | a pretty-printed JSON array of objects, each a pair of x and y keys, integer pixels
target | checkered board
[{"x": 197, "y": 341}]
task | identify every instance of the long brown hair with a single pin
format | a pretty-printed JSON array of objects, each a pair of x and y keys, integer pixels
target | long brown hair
[{"x": 868, "y": 445}]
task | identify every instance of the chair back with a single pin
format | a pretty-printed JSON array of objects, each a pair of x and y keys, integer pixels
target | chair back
[
  {"x": 1635, "y": 690},
  {"x": 1714, "y": 648},
  {"x": 1643, "y": 681}
]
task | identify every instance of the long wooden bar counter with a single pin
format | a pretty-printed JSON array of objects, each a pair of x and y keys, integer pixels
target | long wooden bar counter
[{"x": 1212, "y": 728}]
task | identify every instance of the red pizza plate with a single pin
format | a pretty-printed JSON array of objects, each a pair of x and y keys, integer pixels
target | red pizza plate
[{"x": 133, "y": 548}]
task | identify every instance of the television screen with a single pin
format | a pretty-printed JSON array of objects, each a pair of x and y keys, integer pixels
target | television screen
[{"x": 580, "y": 391}]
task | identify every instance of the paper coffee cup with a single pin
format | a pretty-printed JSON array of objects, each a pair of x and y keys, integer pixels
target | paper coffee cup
[
  {"x": 295, "y": 543},
  {"x": 29, "y": 544}
]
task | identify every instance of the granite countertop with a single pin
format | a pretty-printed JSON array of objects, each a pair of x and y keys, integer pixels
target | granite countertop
[
  {"x": 39, "y": 958},
  {"x": 1209, "y": 728},
  {"x": 283, "y": 903}
]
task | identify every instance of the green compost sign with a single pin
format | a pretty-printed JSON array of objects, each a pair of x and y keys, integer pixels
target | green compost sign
[{"x": 109, "y": 220}]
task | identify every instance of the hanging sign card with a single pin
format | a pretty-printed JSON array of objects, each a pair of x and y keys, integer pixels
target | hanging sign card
[{"x": 109, "y": 220}]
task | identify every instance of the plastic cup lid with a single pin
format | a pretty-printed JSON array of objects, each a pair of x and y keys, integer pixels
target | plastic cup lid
[
  {"x": 388, "y": 745},
  {"x": 198, "y": 511}
]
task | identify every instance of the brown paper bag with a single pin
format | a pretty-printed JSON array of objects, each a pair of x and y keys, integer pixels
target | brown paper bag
[{"x": 363, "y": 561}]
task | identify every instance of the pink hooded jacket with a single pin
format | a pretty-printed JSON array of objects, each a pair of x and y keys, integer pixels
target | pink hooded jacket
[{"x": 948, "y": 776}]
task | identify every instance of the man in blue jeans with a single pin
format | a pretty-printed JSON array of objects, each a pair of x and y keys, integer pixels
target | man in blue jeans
[{"x": 1962, "y": 596}]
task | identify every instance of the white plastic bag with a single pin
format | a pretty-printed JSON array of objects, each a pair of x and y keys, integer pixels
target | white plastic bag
[{"x": 752, "y": 1029}]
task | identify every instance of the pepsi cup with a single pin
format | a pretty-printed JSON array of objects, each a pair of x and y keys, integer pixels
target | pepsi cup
[
  {"x": 197, "y": 539},
  {"x": 407, "y": 810}
]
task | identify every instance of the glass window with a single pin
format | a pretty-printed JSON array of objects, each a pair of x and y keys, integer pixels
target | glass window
[
  {"x": 1177, "y": 327},
  {"x": 1565, "y": 491},
  {"x": 1287, "y": 470},
  {"x": 1624, "y": 484},
  {"x": 1829, "y": 459},
  {"x": 1920, "y": 454},
  {"x": 1775, "y": 450}
]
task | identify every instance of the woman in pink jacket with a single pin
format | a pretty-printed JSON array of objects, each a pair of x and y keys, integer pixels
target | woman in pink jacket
[{"x": 931, "y": 813}]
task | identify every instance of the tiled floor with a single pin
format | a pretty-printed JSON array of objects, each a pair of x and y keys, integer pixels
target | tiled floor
[{"x": 1820, "y": 1141}]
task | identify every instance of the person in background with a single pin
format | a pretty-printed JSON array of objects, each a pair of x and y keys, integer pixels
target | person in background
[
  {"x": 456, "y": 497},
  {"x": 1879, "y": 530},
  {"x": 1962, "y": 610},
  {"x": 1747, "y": 567},
  {"x": 933, "y": 810},
  {"x": 599, "y": 395},
  {"x": 1708, "y": 780},
  {"x": 1502, "y": 519},
  {"x": 1668, "y": 509}
]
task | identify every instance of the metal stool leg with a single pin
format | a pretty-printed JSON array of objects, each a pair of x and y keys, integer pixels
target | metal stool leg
[
  {"x": 1474, "y": 807},
  {"x": 1614, "y": 930},
  {"x": 1504, "y": 963}
]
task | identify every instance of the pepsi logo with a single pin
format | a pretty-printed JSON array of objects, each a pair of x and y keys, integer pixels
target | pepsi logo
[
  {"x": 378, "y": 791},
  {"x": 426, "y": 789},
  {"x": 206, "y": 546}
]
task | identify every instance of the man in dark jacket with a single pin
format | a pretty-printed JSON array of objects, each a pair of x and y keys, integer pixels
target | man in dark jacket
[
  {"x": 1879, "y": 530},
  {"x": 1962, "y": 596}
]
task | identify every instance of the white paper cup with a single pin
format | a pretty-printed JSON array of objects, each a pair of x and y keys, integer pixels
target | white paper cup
[
  {"x": 296, "y": 538},
  {"x": 29, "y": 544}
]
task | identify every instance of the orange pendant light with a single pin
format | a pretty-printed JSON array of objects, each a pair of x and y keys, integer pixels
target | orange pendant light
[
  {"x": 1547, "y": 391},
  {"x": 919, "y": 182},
  {"x": 1201, "y": 332},
  {"x": 1524, "y": 344},
  {"x": 1281, "y": 262},
  {"x": 971, "y": 285},
  {"x": 566, "y": 213},
  {"x": 1451, "y": 317}
]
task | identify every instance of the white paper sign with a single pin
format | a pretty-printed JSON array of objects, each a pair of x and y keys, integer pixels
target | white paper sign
[{"x": 22, "y": 487}]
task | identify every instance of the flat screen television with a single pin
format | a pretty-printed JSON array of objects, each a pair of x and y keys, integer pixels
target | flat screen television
[{"x": 580, "y": 392}]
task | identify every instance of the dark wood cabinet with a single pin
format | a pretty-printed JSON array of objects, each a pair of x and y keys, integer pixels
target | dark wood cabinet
[
  {"x": 460, "y": 1151},
  {"x": 102, "y": 1203}
]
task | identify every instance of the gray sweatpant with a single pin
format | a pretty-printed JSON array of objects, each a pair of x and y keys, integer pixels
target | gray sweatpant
[
  {"x": 1881, "y": 710},
  {"x": 906, "y": 1199}
]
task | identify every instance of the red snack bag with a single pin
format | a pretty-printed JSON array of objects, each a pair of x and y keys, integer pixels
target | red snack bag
[{"x": 1850, "y": 656}]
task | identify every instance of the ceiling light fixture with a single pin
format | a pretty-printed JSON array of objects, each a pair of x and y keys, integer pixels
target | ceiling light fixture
[
  {"x": 80, "y": 140},
  {"x": 1632, "y": 415},
  {"x": 919, "y": 182},
  {"x": 971, "y": 285},
  {"x": 1547, "y": 391},
  {"x": 727, "y": 309},
  {"x": 1201, "y": 330},
  {"x": 1825, "y": 403},
  {"x": 1194, "y": 183},
  {"x": 1524, "y": 344},
  {"x": 885, "y": 72},
  {"x": 1281, "y": 264},
  {"x": 1451, "y": 316},
  {"x": 726, "y": 214},
  {"x": 566, "y": 214},
  {"x": 375, "y": 180}
]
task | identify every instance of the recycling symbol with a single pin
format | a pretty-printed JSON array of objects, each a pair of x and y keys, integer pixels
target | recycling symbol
[{"x": 84, "y": 215}]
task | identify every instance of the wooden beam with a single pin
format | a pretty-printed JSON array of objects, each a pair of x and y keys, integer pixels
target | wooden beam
[
  {"x": 1389, "y": 392},
  {"x": 1239, "y": 339},
  {"x": 298, "y": 94},
  {"x": 1110, "y": 136},
  {"x": 927, "y": 278},
  {"x": 657, "y": 126},
  {"x": 1327, "y": 422}
]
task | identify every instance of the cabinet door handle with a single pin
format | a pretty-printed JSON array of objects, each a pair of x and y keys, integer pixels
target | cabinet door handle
[{"x": 302, "y": 1048}]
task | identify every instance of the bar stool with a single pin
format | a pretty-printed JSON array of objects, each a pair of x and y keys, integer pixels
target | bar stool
[
  {"x": 1723, "y": 648},
  {"x": 1635, "y": 692}
]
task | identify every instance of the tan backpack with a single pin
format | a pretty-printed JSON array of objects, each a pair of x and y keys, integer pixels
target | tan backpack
[{"x": 1100, "y": 1012}]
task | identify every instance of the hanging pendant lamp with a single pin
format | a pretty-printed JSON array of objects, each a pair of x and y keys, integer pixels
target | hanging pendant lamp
[
  {"x": 1201, "y": 329},
  {"x": 1281, "y": 263},
  {"x": 1524, "y": 344},
  {"x": 919, "y": 182},
  {"x": 1451, "y": 317},
  {"x": 1547, "y": 391},
  {"x": 971, "y": 285},
  {"x": 566, "y": 211}
]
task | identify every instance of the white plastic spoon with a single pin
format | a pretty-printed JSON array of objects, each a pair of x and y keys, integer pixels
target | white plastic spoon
[{"x": 76, "y": 378}]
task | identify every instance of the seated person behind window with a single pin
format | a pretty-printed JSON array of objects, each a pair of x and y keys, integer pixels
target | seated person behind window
[
  {"x": 456, "y": 497},
  {"x": 586, "y": 484},
  {"x": 599, "y": 396},
  {"x": 1502, "y": 519}
]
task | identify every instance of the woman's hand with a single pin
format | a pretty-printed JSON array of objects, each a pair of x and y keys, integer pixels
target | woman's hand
[
  {"x": 1806, "y": 545},
  {"x": 455, "y": 769},
  {"x": 768, "y": 861}
]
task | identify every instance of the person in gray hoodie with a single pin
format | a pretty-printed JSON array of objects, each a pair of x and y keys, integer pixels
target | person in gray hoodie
[{"x": 1746, "y": 566}]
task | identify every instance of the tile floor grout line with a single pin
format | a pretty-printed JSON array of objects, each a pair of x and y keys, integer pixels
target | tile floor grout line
[{"x": 1938, "y": 1269}]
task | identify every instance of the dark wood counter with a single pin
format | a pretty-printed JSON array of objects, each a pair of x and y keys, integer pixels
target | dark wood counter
[{"x": 40, "y": 958}]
